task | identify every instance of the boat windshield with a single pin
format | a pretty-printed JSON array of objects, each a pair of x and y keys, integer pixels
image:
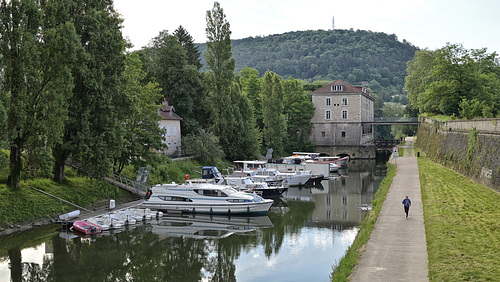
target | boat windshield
[{"x": 230, "y": 190}]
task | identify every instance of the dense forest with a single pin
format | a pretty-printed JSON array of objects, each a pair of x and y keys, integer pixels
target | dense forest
[{"x": 351, "y": 55}]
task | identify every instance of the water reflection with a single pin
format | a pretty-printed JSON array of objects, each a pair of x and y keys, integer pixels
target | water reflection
[
  {"x": 206, "y": 226},
  {"x": 302, "y": 236}
]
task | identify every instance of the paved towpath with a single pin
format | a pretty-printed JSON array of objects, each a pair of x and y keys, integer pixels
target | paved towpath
[{"x": 397, "y": 249}]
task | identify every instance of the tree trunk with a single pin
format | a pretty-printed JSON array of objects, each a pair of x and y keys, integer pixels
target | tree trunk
[
  {"x": 16, "y": 268},
  {"x": 15, "y": 164},
  {"x": 60, "y": 156}
]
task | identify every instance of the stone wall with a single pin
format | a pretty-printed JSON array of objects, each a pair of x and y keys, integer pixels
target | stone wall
[{"x": 471, "y": 147}]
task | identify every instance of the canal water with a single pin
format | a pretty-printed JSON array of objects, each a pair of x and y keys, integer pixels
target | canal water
[{"x": 301, "y": 238}]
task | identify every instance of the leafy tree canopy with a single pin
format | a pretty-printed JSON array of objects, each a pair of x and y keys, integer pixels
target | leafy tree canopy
[{"x": 454, "y": 81}]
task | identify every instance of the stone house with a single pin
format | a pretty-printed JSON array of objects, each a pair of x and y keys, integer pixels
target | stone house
[
  {"x": 342, "y": 120},
  {"x": 171, "y": 123}
]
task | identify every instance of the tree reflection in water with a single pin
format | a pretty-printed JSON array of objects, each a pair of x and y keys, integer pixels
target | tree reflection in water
[{"x": 197, "y": 248}]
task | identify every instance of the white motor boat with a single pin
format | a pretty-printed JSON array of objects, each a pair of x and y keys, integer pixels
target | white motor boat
[
  {"x": 246, "y": 184},
  {"x": 205, "y": 198}
]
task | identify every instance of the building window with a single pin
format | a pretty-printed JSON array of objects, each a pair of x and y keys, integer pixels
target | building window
[
  {"x": 344, "y": 101},
  {"x": 323, "y": 134},
  {"x": 168, "y": 131},
  {"x": 328, "y": 115},
  {"x": 328, "y": 102},
  {"x": 337, "y": 87},
  {"x": 175, "y": 131},
  {"x": 344, "y": 114},
  {"x": 342, "y": 134}
]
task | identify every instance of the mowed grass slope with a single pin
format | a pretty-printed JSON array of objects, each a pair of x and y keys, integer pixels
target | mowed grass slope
[{"x": 462, "y": 225}]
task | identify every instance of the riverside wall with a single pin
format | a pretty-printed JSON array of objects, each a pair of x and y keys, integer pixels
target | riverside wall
[{"x": 470, "y": 147}]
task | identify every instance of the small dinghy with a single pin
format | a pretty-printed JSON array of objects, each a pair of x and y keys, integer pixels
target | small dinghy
[{"x": 86, "y": 227}]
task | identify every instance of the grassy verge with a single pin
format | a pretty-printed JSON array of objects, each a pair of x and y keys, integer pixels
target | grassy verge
[
  {"x": 462, "y": 225},
  {"x": 25, "y": 204},
  {"x": 345, "y": 266}
]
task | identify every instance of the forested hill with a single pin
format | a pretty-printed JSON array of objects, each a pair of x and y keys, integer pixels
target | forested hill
[{"x": 353, "y": 56}]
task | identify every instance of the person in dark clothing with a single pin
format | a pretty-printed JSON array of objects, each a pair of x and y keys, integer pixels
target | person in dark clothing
[{"x": 406, "y": 204}]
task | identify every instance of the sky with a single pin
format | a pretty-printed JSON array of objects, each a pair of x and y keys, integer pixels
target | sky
[{"x": 424, "y": 23}]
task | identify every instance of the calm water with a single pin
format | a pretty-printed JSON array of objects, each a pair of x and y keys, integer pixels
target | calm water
[{"x": 300, "y": 239}]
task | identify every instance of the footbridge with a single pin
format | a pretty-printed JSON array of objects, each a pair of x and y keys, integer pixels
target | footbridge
[{"x": 394, "y": 121}]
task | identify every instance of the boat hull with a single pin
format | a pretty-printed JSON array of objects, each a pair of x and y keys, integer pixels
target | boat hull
[
  {"x": 297, "y": 180},
  {"x": 86, "y": 227},
  {"x": 271, "y": 192},
  {"x": 230, "y": 208},
  {"x": 205, "y": 198}
]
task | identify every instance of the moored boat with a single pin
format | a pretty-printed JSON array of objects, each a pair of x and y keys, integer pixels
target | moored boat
[
  {"x": 205, "y": 198},
  {"x": 86, "y": 227}
]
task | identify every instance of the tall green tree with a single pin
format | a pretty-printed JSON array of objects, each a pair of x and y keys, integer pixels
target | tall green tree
[
  {"x": 139, "y": 116},
  {"x": 219, "y": 57},
  {"x": 93, "y": 134},
  {"x": 187, "y": 42},
  {"x": 231, "y": 114},
  {"x": 38, "y": 47},
  {"x": 250, "y": 86},
  {"x": 167, "y": 63},
  {"x": 298, "y": 110},
  {"x": 272, "y": 113},
  {"x": 419, "y": 71}
]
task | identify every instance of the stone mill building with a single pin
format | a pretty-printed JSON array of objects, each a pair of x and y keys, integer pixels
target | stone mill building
[{"x": 343, "y": 120}]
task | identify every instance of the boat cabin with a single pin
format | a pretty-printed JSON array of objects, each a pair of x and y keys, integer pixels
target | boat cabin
[
  {"x": 308, "y": 155},
  {"x": 210, "y": 172},
  {"x": 250, "y": 165}
]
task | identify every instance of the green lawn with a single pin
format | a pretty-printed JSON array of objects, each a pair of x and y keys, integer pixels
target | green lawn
[{"x": 462, "y": 224}]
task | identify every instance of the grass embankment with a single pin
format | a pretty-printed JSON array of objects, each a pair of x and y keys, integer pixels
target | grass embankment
[
  {"x": 25, "y": 204},
  {"x": 346, "y": 265},
  {"x": 462, "y": 225}
]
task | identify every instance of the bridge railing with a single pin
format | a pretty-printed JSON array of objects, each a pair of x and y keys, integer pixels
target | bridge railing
[{"x": 396, "y": 120}]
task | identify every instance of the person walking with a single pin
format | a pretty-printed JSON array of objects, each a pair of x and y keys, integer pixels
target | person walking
[{"x": 406, "y": 204}]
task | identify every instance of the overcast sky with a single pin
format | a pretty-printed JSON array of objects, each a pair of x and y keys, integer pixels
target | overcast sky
[{"x": 424, "y": 23}]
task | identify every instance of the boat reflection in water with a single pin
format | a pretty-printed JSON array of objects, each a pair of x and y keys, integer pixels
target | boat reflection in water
[{"x": 206, "y": 226}]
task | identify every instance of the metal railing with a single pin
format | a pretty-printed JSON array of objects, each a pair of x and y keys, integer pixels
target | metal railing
[
  {"x": 395, "y": 120},
  {"x": 128, "y": 181}
]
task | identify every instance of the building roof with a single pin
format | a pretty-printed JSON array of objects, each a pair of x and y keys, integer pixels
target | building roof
[
  {"x": 345, "y": 88},
  {"x": 168, "y": 112}
]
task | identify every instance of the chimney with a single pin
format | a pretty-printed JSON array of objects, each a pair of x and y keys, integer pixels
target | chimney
[{"x": 365, "y": 87}]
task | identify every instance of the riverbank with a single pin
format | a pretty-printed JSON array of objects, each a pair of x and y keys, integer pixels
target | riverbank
[{"x": 24, "y": 208}]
